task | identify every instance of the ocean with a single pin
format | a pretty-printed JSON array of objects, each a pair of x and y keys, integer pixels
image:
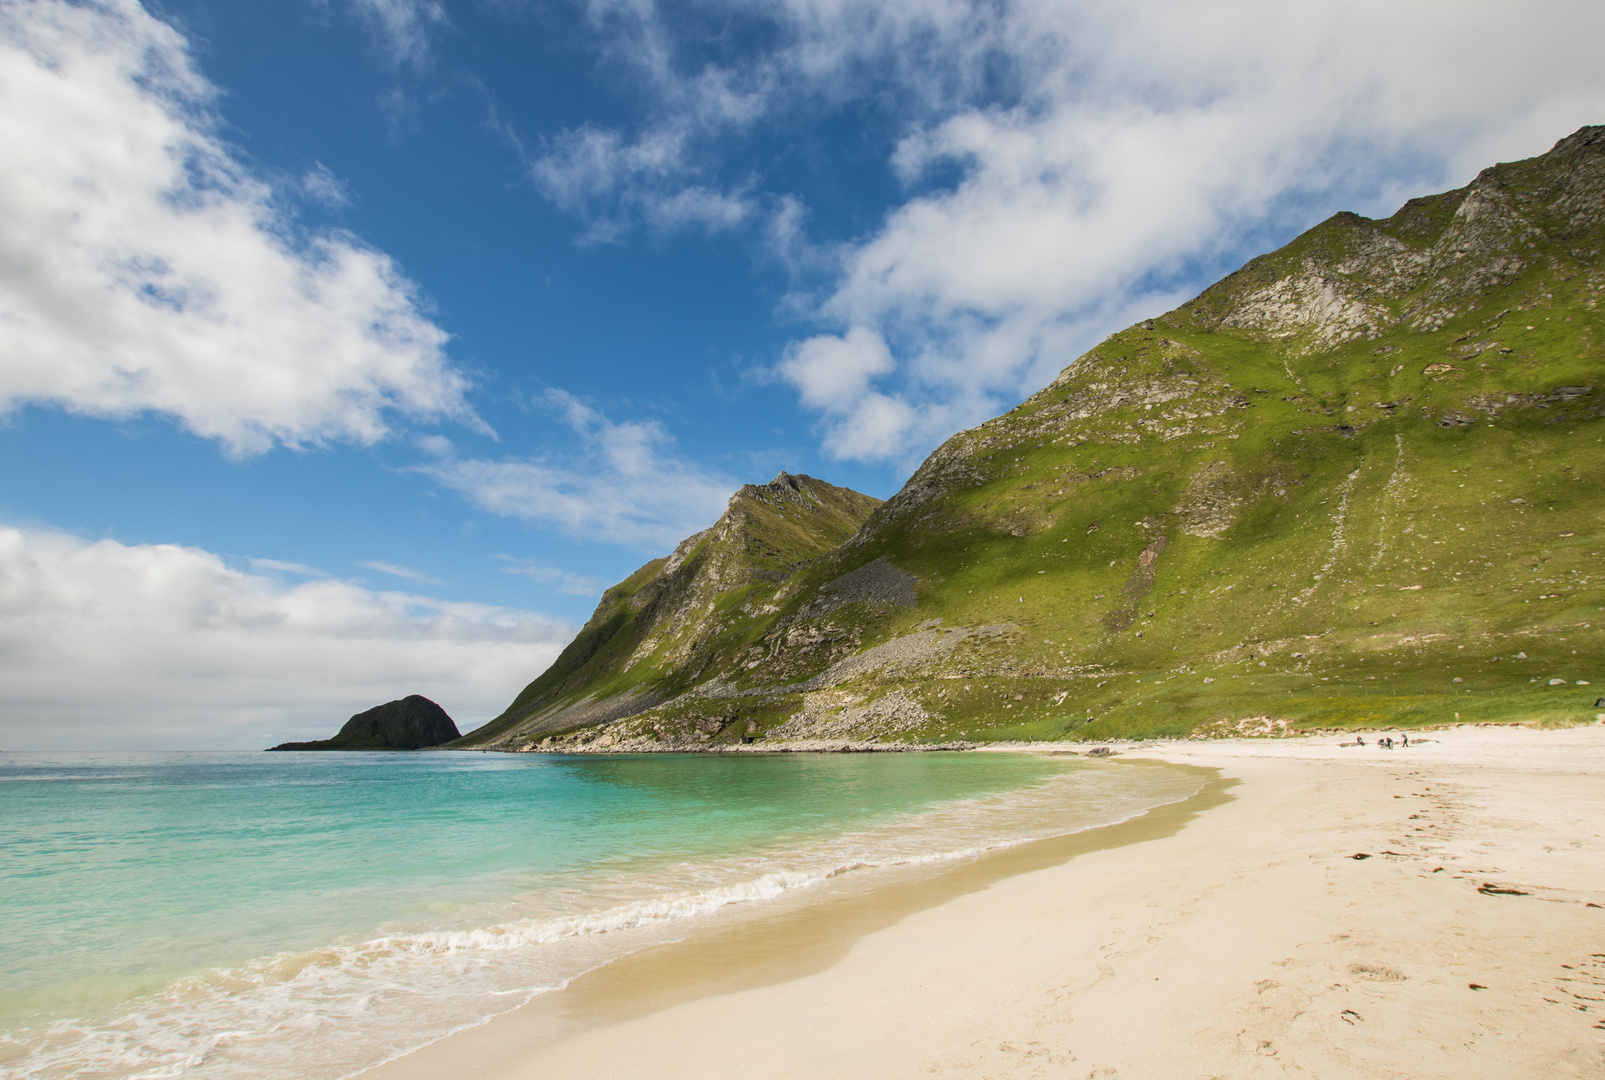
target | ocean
[{"x": 309, "y": 915}]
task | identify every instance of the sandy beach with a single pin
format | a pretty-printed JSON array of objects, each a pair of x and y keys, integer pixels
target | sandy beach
[{"x": 1321, "y": 910}]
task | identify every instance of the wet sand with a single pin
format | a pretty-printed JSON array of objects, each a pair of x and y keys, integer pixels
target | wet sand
[{"x": 1234, "y": 935}]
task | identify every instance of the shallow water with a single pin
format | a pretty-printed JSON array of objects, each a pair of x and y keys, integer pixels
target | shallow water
[{"x": 308, "y": 915}]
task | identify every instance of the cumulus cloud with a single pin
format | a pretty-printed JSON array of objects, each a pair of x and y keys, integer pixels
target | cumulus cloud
[
  {"x": 1070, "y": 165},
  {"x": 622, "y": 482},
  {"x": 833, "y": 373},
  {"x": 145, "y": 268},
  {"x": 105, "y": 645}
]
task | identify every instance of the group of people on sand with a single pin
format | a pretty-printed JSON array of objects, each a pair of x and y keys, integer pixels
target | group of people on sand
[{"x": 1384, "y": 741}]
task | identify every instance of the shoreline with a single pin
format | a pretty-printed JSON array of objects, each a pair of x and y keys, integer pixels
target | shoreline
[
  {"x": 788, "y": 746},
  {"x": 462, "y": 888},
  {"x": 770, "y": 947},
  {"x": 872, "y": 746},
  {"x": 1342, "y": 912}
]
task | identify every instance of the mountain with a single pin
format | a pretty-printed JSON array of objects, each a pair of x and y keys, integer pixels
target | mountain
[
  {"x": 665, "y": 627},
  {"x": 1359, "y": 482},
  {"x": 411, "y": 723}
]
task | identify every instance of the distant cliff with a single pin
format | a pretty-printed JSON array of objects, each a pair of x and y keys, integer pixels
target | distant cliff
[{"x": 412, "y": 723}]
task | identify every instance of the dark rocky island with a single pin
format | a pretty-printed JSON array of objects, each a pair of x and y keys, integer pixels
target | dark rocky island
[{"x": 412, "y": 723}]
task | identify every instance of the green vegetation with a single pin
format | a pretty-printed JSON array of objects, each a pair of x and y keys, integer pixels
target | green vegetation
[
  {"x": 662, "y": 629},
  {"x": 1359, "y": 483}
]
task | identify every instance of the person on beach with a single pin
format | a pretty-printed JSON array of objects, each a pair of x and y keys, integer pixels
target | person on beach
[
  {"x": 1406, "y": 739},
  {"x": 1359, "y": 741}
]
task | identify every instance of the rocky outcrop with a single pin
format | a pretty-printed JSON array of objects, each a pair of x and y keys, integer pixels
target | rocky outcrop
[
  {"x": 410, "y": 723},
  {"x": 1353, "y": 278},
  {"x": 876, "y": 582}
]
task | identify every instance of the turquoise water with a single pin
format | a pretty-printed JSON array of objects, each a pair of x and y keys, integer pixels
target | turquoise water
[{"x": 308, "y": 915}]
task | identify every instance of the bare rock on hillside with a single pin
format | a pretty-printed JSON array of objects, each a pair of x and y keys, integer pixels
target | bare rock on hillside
[
  {"x": 877, "y": 582},
  {"x": 1209, "y": 506}
]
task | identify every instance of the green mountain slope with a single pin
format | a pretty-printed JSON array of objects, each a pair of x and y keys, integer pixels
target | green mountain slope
[
  {"x": 1361, "y": 481},
  {"x": 663, "y": 628}
]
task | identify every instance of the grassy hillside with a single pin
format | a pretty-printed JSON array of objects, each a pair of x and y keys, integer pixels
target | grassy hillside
[
  {"x": 661, "y": 629},
  {"x": 1360, "y": 482}
]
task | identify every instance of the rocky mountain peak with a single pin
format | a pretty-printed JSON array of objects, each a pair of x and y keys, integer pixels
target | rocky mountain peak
[
  {"x": 784, "y": 489},
  {"x": 1353, "y": 278}
]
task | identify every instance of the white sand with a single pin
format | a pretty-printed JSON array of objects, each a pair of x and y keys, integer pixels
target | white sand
[{"x": 1250, "y": 944}]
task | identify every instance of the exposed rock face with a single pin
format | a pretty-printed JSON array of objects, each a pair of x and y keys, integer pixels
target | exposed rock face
[
  {"x": 826, "y": 716},
  {"x": 1351, "y": 277},
  {"x": 1213, "y": 495},
  {"x": 877, "y": 582},
  {"x": 1369, "y": 459},
  {"x": 412, "y": 723}
]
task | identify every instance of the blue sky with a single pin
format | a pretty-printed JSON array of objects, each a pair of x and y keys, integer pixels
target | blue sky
[{"x": 348, "y": 348}]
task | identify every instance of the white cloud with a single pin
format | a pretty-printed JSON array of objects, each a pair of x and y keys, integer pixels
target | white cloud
[
  {"x": 833, "y": 374},
  {"x": 614, "y": 183},
  {"x": 567, "y": 583},
  {"x": 281, "y": 567},
  {"x": 320, "y": 185},
  {"x": 143, "y": 268},
  {"x": 405, "y": 573},
  {"x": 621, "y": 482},
  {"x": 664, "y": 171},
  {"x": 585, "y": 163},
  {"x": 436, "y": 445},
  {"x": 402, "y": 26},
  {"x": 110, "y": 645},
  {"x": 834, "y": 371}
]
